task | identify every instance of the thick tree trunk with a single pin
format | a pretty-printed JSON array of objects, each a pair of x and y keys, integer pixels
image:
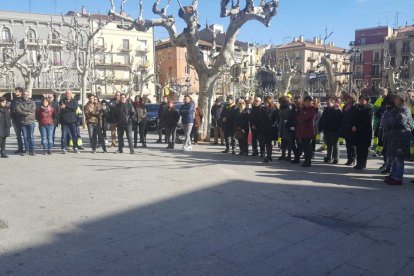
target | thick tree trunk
[
  {"x": 83, "y": 96},
  {"x": 29, "y": 83},
  {"x": 205, "y": 102}
]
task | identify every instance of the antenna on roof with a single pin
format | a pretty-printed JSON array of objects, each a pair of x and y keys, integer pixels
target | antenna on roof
[{"x": 30, "y": 5}]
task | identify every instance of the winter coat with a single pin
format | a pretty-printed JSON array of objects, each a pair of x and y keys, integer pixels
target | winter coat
[
  {"x": 171, "y": 117},
  {"x": 141, "y": 113},
  {"x": 330, "y": 120},
  {"x": 124, "y": 112},
  {"x": 55, "y": 106},
  {"x": 346, "y": 122},
  {"x": 68, "y": 114},
  {"x": 215, "y": 115},
  {"x": 398, "y": 124},
  {"x": 241, "y": 119},
  {"x": 163, "y": 107},
  {"x": 25, "y": 112},
  {"x": 306, "y": 117},
  {"x": 198, "y": 117},
  {"x": 292, "y": 123},
  {"x": 284, "y": 114},
  {"x": 111, "y": 106},
  {"x": 13, "y": 108},
  {"x": 45, "y": 116},
  {"x": 269, "y": 124},
  {"x": 5, "y": 122},
  {"x": 255, "y": 117},
  {"x": 362, "y": 120},
  {"x": 187, "y": 113},
  {"x": 92, "y": 113},
  {"x": 227, "y": 117}
]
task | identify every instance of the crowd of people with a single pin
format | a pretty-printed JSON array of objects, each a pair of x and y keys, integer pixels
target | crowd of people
[{"x": 292, "y": 122}]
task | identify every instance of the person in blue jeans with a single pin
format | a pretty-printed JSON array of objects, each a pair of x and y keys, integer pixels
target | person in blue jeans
[
  {"x": 68, "y": 120},
  {"x": 45, "y": 115},
  {"x": 25, "y": 113},
  {"x": 18, "y": 91},
  {"x": 187, "y": 118}
]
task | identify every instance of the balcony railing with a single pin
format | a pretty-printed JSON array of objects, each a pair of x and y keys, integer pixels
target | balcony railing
[
  {"x": 124, "y": 49},
  {"x": 141, "y": 50},
  {"x": 101, "y": 46},
  {"x": 58, "y": 63},
  {"x": 55, "y": 42},
  {"x": 6, "y": 41},
  {"x": 34, "y": 41}
]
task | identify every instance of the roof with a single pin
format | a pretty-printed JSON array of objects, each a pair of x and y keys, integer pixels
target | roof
[
  {"x": 206, "y": 34},
  {"x": 310, "y": 45}
]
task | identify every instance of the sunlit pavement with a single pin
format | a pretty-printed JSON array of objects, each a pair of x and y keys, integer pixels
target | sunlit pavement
[{"x": 163, "y": 212}]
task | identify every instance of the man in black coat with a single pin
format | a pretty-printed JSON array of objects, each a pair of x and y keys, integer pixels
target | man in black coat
[
  {"x": 216, "y": 123},
  {"x": 362, "y": 131},
  {"x": 17, "y": 128},
  {"x": 255, "y": 125},
  {"x": 69, "y": 120},
  {"x": 227, "y": 117},
  {"x": 161, "y": 122},
  {"x": 124, "y": 112},
  {"x": 111, "y": 106},
  {"x": 330, "y": 124},
  {"x": 5, "y": 124}
]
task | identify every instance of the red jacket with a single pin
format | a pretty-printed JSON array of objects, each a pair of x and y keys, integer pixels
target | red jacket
[
  {"x": 45, "y": 116},
  {"x": 306, "y": 122}
]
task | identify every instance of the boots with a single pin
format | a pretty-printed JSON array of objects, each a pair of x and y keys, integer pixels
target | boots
[{"x": 3, "y": 155}]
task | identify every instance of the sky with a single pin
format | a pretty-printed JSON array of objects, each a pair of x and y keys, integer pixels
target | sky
[{"x": 295, "y": 17}]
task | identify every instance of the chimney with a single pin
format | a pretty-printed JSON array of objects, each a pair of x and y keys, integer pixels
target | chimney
[
  {"x": 316, "y": 40},
  {"x": 84, "y": 11},
  {"x": 301, "y": 38},
  {"x": 295, "y": 39}
]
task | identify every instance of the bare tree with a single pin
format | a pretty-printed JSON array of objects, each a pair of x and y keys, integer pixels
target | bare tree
[
  {"x": 394, "y": 79},
  {"x": 326, "y": 62},
  {"x": 31, "y": 67},
  {"x": 189, "y": 38}
]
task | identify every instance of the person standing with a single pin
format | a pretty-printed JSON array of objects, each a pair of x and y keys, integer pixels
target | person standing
[
  {"x": 284, "y": 131},
  {"x": 161, "y": 123},
  {"x": 140, "y": 121},
  {"x": 124, "y": 112},
  {"x": 198, "y": 120},
  {"x": 270, "y": 126},
  {"x": 398, "y": 140},
  {"x": 346, "y": 128},
  {"x": 187, "y": 112},
  {"x": 293, "y": 126},
  {"x": 25, "y": 113},
  {"x": 329, "y": 124},
  {"x": 5, "y": 125},
  {"x": 69, "y": 120},
  {"x": 53, "y": 103},
  {"x": 112, "y": 120},
  {"x": 241, "y": 126},
  {"x": 227, "y": 117},
  {"x": 92, "y": 116},
  {"x": 18, "y": 91},
  {"x": 362, "y": 131},
  {"x": 255, "y": 125},
  {"x": 45, "y": 115},
  {"x": 216, "y": 123},
  {"x": 306, "y": 130},
  {"x": 171, "y": 118}
]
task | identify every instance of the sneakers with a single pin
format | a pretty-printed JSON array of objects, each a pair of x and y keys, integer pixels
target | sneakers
[
  {"x": 4, "y": 156},
  {"x": 335, "y": 161},
  {"x": 93, "y": 151},
  {"x": 186, "y": 148},
  {"x": 63, "y": 151},
  {"x": 31, "y": 153},
  {"x": 76, "y": 150},
  {"x": 327, "y": 160},
  {"x": 132, "y": 152},
  {"x": 393, "y": 182}
]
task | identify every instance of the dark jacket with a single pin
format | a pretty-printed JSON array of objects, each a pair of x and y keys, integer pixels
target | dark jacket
[
  {"x": 5, "y": 122},
  {"x": 163, "y": 107},
  {"x": 198, "y": 117},
  {"x": 187, "y": 113},
  {"x": 141, "y": 113},
  {"x": 330, "y": 120},
  {"x": 13, "y": 108},
  {"x": 171, "y": 118},
  {"x": 346, "y": 122},
  {"x": 306, "y": 117},
  {"x": 215, "y": 115},
  {"x": 45, "y": 116},
  {"x": 269, "y": 124},
  {"x": 25, "y": 112},
  {"x": 284, "y": 115},
  {"x": 362, "y": 120},
  {"x": 241, "y": 119},
  {"x": 255, "y": 117},
  {"x": 111, "y": 106},
  {"x": 398, "y": 124},
  {"x": 124, "y": 112},
  {"x": 68, "y": 115},
  {"x": 55, "y": 106},
  {"x": 292, "y": 123},
  {"x": 227, "y": 117}
]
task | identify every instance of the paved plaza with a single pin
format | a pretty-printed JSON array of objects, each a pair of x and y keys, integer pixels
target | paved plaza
[{"x": 202, "y": 212}]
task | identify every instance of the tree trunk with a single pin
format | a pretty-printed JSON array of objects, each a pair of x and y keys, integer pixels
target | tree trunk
[
  {"x": 83, "y": 96},
  {"x": 29, "y": 82},
  {"x": 205, "y": 102}
]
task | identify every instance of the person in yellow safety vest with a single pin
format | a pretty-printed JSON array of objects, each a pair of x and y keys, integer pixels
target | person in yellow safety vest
[{"x": 379, "y": 109}]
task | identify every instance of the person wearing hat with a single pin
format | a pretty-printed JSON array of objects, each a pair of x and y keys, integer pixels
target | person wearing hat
[
  {"x": 216, "y": 110},
  {"x": 362, "y": 131},
  {"x": 306, "y": 131},
  {"x": 227, "y": 117},
  {"x": 399, "y": 123}
]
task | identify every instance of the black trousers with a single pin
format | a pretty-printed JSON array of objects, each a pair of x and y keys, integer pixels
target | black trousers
[
  {"x": 121, "y": 130},
  {"x": 140, "y": 128},
  {"x": 350, "y": 150},
  {"x": 296, "y": 148},
  {"x": 194, "y": 134},
  {"x": 306, "y": 145},
  {"x": 257, "y": 141},
  {"x": 95, "y": 133},
  {"x": 244, "y": 144},
  {"x": 286, "y": 146},
  {"x": 2, "y": 144},
  {"x": 170, "y": 133},
  {"x": 361, "y": 155}
]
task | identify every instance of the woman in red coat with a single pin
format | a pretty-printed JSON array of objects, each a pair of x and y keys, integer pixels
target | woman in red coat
[
  {"x": 306, "y": 129},
  {"x": 45, "y": 115}
]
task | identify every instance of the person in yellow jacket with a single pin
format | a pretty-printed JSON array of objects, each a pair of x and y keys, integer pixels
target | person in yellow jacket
[{"x": 78, "y": 132}]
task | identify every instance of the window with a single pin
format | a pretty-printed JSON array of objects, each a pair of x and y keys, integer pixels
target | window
[
  {"x": 126, "y": 75},
  {"x": 393, "y": 61},
  {"x": 358, "y": 57},
  {"x": 6, "y": 35},
  {"x": 406, "y": 47},
  {"x": 57, "y": 58},
  {"x": 31, "y": 35},
  {"x": 170, "y": 71},
  {"x": 187, "y": 70},
  {"x": 126, "y": 59},
  {"x": 100, "y": 58},
  {"x": 110, "y": 58},
  {"x": 375, "y": 70},
  {"x": 32, "y": 56},
  {"x": 392, "y": 48},
  {"x": 55, "y": 38},
  {"x": 363, "y": 41},
  {"x": 404, "y": 60},
  {"x": 377, "y": 56},
  {"x": 100, "y": 42},
  {"x": 125, "y": 44}
]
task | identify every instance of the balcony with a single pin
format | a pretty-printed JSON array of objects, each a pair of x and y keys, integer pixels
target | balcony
[
  {"x": 124, "y": 49},
  {"x": 101, "y": 46},
  {"x": 34, "y": 41},
  {"x": 311, "y": 59},
  {"x": 405, "y": 50},
  {"x": 141, "y": 50},
  {"x": 54, "y": 43},
  {"x": 358, "y": 75},
  {"x": 57, "y": 63},
  {"x": 6, "y": 42},
  {"x": 118, "y": 64}
]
